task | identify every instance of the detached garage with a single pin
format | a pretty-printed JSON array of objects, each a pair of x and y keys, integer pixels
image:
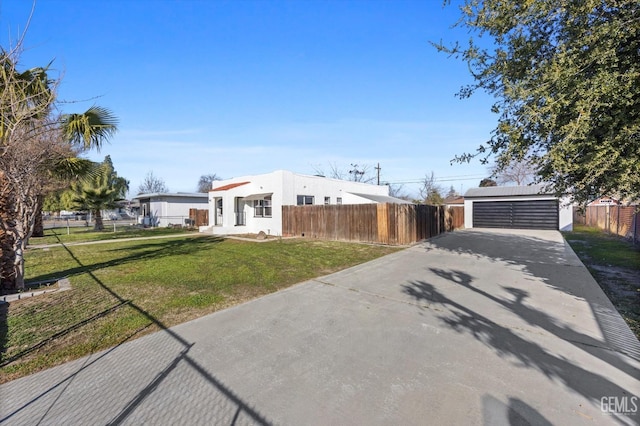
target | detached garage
[{"x": 516, "y": 207}]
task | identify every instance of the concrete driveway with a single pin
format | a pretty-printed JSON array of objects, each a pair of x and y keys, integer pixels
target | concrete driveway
[{"x": 473, "y": 327}]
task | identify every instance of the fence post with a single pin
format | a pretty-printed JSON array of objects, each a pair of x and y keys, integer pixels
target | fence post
[
  {"x": 382, "y": 216},
  {"x": 635, "y": 225}
]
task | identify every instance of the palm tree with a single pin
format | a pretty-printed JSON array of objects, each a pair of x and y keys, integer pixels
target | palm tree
[
  {"x": 82, "y": 132},
  {"x": 36, "y": 147},
  {"x": 99, "y": 191}
]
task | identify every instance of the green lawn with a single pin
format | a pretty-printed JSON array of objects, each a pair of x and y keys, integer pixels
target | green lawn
[
  {"x": 82, "y": 233},
  {"x": 124, "y": 289},
  {"x": 599, "y": 247},
  {"x": 615, "y": 264}
]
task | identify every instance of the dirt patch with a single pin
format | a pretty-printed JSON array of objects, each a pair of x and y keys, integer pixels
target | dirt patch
[
  {"x": 622, "y": 287},
  {"x": 44, "y": 285},
  {"x": 262, "y": 236},
  {"x": 622, "y": 282},
  {"x": 615, "y": 264}
]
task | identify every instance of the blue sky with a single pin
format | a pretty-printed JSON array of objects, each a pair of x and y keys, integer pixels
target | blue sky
[{"x": 247, "y": 87}]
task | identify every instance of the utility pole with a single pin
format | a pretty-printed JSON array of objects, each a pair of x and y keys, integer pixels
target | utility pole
[{"x": 378, "y": 170}]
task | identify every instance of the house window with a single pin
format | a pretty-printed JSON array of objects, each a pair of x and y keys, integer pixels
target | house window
[
  {"x": 262, "y": 208},
  {"x": 303, "y": 200},
  {"x": 339, "y": 200},
  {"x": 327, "y": 201}
]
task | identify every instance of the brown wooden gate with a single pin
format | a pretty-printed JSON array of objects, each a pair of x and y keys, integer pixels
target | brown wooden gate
[{"x": 199, "y": 217}]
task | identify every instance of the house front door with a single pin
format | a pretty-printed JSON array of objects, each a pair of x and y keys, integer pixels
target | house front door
[
  {"x": 239, "y": 212},
  {"x": 218, "y": 211}
]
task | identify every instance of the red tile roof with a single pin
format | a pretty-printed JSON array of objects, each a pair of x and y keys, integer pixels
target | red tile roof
[{"x": 229, "y": 186}]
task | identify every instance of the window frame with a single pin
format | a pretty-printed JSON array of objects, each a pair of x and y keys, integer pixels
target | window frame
[
  {"x": 302, "y": 200},
  {"x": 262, "y": 207}
]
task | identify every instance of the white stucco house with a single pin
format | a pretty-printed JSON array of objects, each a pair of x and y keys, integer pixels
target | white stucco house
[
  {"x": 163, "y": 209},
  {"x": 250, "y": 204},
  {"x": 517, "y": 207}
]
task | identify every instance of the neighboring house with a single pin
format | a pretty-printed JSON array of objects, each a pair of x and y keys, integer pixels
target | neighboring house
[
  {"x": 604, "y": 201},
  {"x": 516, "y": 207},
  {"x": 123, "y": 211},
  {"x": 454, "y": 201},
  {"x": 169, "y": 209},
  {"x": 251, "y": 204}
]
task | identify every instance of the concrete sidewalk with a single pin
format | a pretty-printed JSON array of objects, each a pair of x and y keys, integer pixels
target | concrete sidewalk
[
  {"x": 154, "y": 237},
  {"x": 473, "y": 327},
  {"x": 115, "y": 240}
]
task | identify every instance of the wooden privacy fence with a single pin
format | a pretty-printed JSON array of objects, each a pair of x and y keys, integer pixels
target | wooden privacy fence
[
  {"x": 395, "y": 224},
  {"x": 454, "y": 217},
  {"x": 619, "y": 220},
  {"x": 199, "y": 217}
]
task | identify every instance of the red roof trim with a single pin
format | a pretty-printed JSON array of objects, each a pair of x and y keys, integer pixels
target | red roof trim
[{"x": 229, "y": 186}]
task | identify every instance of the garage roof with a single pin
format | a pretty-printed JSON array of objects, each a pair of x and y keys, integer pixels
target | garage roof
[
  {"x": 171, "y": 195},
  {"x": 507, "y": 191},
  {"x": 381, "y": 198}
]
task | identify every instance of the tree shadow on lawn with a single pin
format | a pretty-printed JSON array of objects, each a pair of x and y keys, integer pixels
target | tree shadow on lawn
[
  {"x": 555, "y": 263},
  {"x": 144, "y": 252},
  {"x": 225, "y": 396},
  {"x": 506, "y": 343},
  {"x": 140, "y": 252}
]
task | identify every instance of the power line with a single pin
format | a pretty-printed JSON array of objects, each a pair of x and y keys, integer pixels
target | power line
[{"x": 443, "y": 179}]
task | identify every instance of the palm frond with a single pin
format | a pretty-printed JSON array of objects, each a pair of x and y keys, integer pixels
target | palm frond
[
  {"x": 75, "y": 168},
  {"x": 91, "y": 128}
]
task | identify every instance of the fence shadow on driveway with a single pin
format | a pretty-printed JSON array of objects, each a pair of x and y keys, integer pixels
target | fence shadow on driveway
[{"x": 229, "y": 408}]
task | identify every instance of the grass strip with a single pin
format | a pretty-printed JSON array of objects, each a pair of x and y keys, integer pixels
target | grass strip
[
  {"x": 615, "y": 264},
  {"x": 87, "y": 234}
]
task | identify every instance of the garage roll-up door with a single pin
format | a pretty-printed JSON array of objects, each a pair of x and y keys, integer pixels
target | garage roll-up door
[{"x": 538, "y": 214}]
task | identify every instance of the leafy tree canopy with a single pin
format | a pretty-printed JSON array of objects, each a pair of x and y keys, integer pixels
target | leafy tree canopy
[
  {"x": 58, "y": 200},
  {"x": 566, "y": 78},
  {"x": 487, "y": 182}
]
